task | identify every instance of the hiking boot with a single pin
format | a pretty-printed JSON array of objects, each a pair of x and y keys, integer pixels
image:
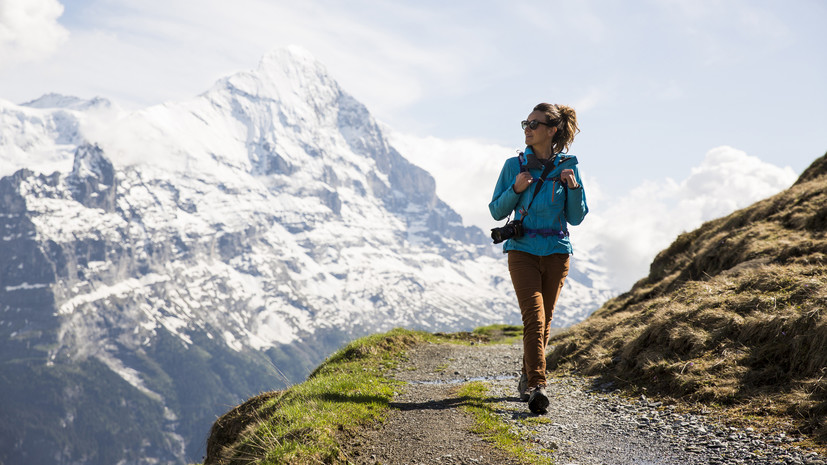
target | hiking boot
[
  {"x": 522, "y": 387},
  {"x": 538, "y": 400}
]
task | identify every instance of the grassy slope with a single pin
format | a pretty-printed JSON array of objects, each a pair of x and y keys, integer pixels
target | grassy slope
[
  {"x": 304, "y": 423},
  {"x": 300, "y": 424},
  {"x": 733, "y": 314}
]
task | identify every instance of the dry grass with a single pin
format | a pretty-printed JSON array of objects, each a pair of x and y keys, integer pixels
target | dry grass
[{"x": 732, "y": 315}]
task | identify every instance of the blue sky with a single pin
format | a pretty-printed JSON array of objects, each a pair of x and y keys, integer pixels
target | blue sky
[{"x": 658, "y": 85}]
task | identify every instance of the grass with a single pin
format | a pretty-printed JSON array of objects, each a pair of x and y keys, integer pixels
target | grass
[
  {"x": 442, "y": 367},
  {"x": 493, "y": 428},
  {"x": 500, "y": 333},
  {"x": 302, "y": 423}
]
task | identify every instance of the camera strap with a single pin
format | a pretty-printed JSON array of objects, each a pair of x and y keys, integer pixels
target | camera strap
[{"x": 548, "y": 169}]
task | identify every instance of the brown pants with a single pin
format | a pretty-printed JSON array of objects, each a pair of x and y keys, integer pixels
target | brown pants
[{"x": 537, "y": 282}]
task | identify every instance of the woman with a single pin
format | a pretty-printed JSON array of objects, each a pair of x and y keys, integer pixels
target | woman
[{"x": 538, "y": 260}]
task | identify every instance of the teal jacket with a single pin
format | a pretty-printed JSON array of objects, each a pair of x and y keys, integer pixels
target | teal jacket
[{"x": 556, "y": 206}]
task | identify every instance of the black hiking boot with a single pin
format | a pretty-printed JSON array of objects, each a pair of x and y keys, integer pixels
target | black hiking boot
[{"x": 538, "y": 400}]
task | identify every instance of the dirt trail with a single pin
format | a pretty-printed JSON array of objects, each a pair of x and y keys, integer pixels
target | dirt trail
[
  {"x": 585, "y": 425},
  {"x": 426, "y": 425}
]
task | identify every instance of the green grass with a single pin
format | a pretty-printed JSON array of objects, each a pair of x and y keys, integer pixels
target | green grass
[
  {"x": 303, "y": 424},
  {"x": 441, "y": 368},
  {"x": 493, "y": 428},
  {"x": 307, "y": 422},
  {"x": 501, "y": 333}
]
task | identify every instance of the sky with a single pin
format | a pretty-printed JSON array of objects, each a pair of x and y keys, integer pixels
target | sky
[{"x": 688, "y": 109}]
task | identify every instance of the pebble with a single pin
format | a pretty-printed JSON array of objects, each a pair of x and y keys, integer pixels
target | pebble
[
  {"x": 595, "y": 425},
  {"x": 587, "y": 426}
]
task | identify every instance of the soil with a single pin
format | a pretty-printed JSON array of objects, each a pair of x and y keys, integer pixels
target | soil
[
  {"x": 426, "y": 425},
  {"x": 587, "y": 424}
]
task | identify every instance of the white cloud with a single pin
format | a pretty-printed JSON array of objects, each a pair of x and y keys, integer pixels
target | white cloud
[
  {"x": 29, "y": 30},
  {"x": 632, "y": 229}
]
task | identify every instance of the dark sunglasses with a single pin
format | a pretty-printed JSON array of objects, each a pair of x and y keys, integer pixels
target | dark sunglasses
[{"x": 532, "y": 124}]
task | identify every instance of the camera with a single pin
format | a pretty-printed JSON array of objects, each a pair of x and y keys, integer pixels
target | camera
[{"x": 511, "y": 229}]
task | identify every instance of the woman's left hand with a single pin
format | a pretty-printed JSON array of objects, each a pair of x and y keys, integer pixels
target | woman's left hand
[{"x": 567, "y": 176}]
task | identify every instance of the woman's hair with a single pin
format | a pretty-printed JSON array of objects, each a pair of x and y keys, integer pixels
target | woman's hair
[{"x": 565, "y": 120}]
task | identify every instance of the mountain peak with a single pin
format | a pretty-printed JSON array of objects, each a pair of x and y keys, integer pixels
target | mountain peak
[
  {"x": 92, "y": 180},
  {"x": 290, "y": 75},
  {"x": 69, "y": 102},
  {"x": 292, "y": 53}
]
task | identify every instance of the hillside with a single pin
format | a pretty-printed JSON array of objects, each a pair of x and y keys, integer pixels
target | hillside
[{"x": 731, "y": 315}]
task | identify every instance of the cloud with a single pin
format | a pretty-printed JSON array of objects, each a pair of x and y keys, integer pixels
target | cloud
[
  {"x": 29, "y": 30},
  {"x": 629, "y": 231}
]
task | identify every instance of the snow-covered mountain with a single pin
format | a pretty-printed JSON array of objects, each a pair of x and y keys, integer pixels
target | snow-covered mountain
[{"x": 159, "y": 266}]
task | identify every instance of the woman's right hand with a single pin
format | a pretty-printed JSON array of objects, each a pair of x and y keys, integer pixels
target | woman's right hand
[{"x": 522, "y": 181}]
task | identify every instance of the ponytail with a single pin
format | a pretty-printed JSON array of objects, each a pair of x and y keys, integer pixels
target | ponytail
[{"x": 564, "y": 119}]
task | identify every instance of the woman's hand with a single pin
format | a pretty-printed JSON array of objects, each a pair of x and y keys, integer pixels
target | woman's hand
[
  {"x": 567, "y": 176},
  {"x": 522, "y": 181}
]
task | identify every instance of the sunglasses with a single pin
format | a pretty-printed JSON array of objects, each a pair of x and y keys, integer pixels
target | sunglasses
[{"x": 532, "y": 124}]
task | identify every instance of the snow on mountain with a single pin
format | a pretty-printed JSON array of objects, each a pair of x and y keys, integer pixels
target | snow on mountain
[
  {"x": 266, "y": 221},
  {"x": 68, "y": 102}
]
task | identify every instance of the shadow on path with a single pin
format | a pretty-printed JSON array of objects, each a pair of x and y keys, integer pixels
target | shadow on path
[{"x": 445, "y": 404}]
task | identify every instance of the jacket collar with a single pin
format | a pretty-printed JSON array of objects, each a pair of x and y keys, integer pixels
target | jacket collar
[{"x": 532, "y": 162}]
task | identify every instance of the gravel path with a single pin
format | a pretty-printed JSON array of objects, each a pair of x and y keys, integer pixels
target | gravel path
[{"x": 586, "y": 425}]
